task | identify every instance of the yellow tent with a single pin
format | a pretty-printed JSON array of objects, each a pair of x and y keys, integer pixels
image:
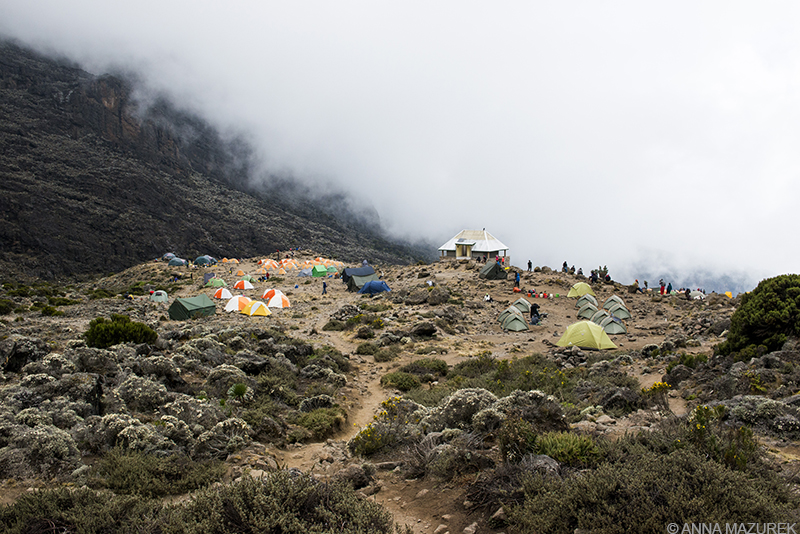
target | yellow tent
[
  {"x": 580, "y": 289},
  {"x": 586, "y": 335},
  {"x": 729, "y": 294},
  {"x": 256, "y": 307}
]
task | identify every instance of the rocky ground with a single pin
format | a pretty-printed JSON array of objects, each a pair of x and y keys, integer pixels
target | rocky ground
[{"x": 139, "y": 384}]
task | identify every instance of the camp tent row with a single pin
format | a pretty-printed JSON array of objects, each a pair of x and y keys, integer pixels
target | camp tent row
[
  {"x": 513, "y": 317},
  {"x": 609, "y": 316}
]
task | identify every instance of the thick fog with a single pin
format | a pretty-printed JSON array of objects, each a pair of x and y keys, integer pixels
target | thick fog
[{"x": 658, "y": 139}]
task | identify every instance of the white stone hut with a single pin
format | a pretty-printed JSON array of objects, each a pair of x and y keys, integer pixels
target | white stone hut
[{"x": 474, "y": 244}]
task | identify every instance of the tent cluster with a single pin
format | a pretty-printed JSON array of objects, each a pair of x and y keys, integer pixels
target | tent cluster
[
  {"x": 319, "y": 266},
  {"x": 609, "y": 317},
  {"x": 174, "y": 261},
  {"x": 513, "y": 317},
  {"x": 355, "y": 278}
]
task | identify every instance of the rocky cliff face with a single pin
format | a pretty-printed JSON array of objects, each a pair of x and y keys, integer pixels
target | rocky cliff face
[{"x": 91, "y": 183}]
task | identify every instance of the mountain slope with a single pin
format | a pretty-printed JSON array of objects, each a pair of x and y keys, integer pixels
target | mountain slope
[{"x": 89, "y": 183}]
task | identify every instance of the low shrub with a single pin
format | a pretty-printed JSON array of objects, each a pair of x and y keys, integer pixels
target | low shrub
[
  {"x": 81, "y": 510},
  {"x": 426, "y": 369},
  {"x": 6, "y": 306},
  {"x": 335, "y": 326},
  {"x": 647, "y": 491},
  {"x": 516, "y": 438},
  {"x": 103, "y": 333},
  {"x": 400, "y": 380},
  {"x": 689, "y": 360},
  {"x": 323, "y": 422},
  {"x": 129, "y": 472},
  {"x": 569, "y": 449},
  {"x": 367, "y": 348},
  {"x": 387, "y": 354},
  {"x": 283, "y": 502}
]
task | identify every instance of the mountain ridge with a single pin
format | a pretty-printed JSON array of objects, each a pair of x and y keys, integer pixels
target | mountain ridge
[{"x": 92, "y": 183}]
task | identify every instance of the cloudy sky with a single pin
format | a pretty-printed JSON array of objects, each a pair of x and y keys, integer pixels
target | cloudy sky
[{"x": 659, "y": 140}]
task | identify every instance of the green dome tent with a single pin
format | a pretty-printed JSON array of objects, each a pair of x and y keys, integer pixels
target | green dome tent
[
  {"x": 319, "y": 270},
  {"x": 580, "y": 289},
  {"x": 620, "y": 311},
  {"x": 612, "y": 301},
  {"x": 199, "y": 306},
  {"x": 216, "y": 282},
  {"x": 613, "y": 327},
  {"x": 514, "y": 323},
  {"x": 599, "y": 316},
  {"x": 511, "y": 310},
  {"x": 493, "y": 271},
  {"x": 177, "y": 262},
  {"x": 332, "y": 269},
  {"x": 522, "y": 305},
  {"x": 586, "y": 311},
  {"x": 587, "y": 299},
  {"x": 586, "y": 335}
]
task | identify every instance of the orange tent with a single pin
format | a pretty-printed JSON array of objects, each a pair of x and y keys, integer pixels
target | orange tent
[
  {"x": 279, "y": 300},
  {"x": 237, "y": 303},
  {"x": 222, "y": 293}
]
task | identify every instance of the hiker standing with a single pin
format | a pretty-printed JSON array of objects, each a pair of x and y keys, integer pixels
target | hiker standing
[
  {"x": 324, "y": 288},
  {"x": 516, "y": 279},
  {"x": 534, "y": 313},
  {"x": 669, "y": 288},
  {"x": 663, "y": 285},
  {"x": 530, "y": 265}
]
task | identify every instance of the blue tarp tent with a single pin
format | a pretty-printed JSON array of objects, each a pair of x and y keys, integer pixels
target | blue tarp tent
[{"x": 374, "y": 286}]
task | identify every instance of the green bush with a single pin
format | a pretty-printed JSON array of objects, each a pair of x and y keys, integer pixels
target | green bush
[
  {"x": 103, "y": 333},
  {"x": 689, "y": 360},
  {"x": 81, "y": 510},
  {"x": 137, "y": 473},
  {"x": 387, "y": 354},
  {"x": 280, "y": 502},
  {"x": 516, "y": 438},
  {"x": 335, "y": 326},
  {"x": 766, "y": 316},
  {"x": 647, "y": 491},
  {"x": 367, "y": 348},
  {"x": 95, "y": 294},
  {"x": 283, "y": 502},
  {"x": 567, "y": 448},
  {"x": 50, "y": 311},
  {"x": 6, "y": 306},
  {"x": 323, "y": 422},
  {"x": 426, "y": 365},
  {"x": 400, "y": 380}
]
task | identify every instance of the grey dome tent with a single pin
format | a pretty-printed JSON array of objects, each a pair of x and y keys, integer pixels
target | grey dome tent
[
  {"x": 515, "y": 323},
  {"x": 587, "y": 299},
  {"x": 587, "y": 311},
  {"x": 177, "y": 262},
  {"x": 493, "y": 271},
  {"x": 613, "y": 300},
  {"x": 598, "y": 317},
  {"x": 511, "y": 310},
  {"x": 523, "y": 305},
  {"x": 620, "y": 311},
  {"x": 612, "y": 326},
  {"x": 159, "y": 296}
]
